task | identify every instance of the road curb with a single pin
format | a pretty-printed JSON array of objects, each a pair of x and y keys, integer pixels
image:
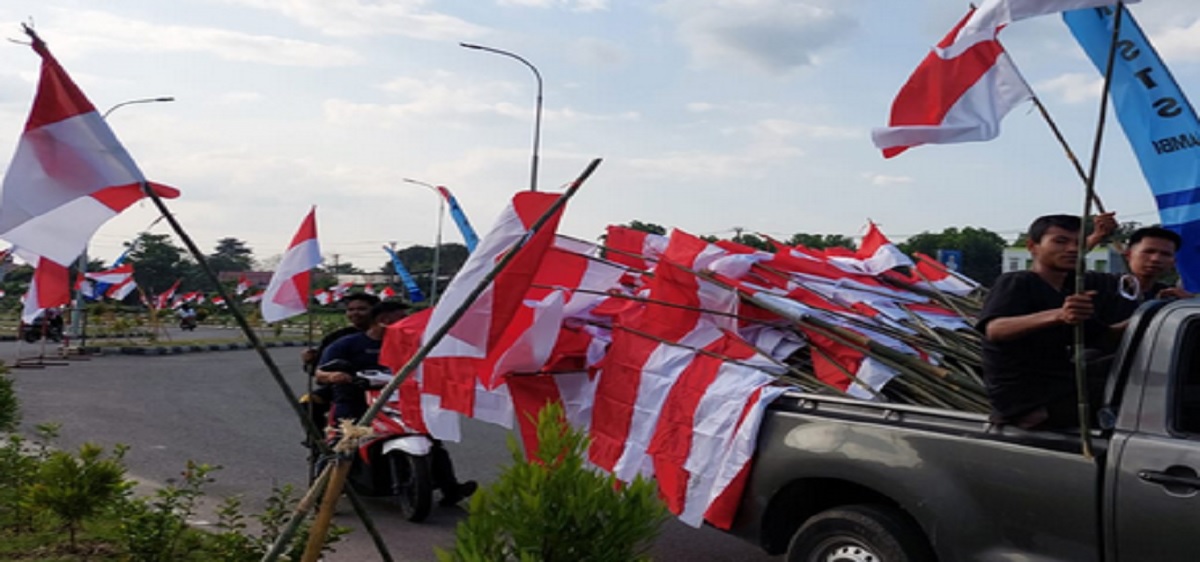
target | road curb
[{"x": 154, "y": 350}]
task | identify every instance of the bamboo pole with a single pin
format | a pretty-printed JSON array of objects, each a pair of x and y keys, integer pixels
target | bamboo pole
[
  {"x": 320, "y": 526},
  {"x": 1081, "y": 385}
]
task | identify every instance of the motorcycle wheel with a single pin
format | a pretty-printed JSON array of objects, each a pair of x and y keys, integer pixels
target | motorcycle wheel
[{"x": 412, "y": 485}]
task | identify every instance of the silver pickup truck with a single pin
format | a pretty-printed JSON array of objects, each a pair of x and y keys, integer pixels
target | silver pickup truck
[{"x": 841, "y": 480}]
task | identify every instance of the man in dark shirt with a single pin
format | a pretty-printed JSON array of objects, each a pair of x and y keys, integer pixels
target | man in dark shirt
[
  {"x": 1028, "y": 324},
  {"x": 1151, "y": 255},
  {"x": 358, "y": 314}
]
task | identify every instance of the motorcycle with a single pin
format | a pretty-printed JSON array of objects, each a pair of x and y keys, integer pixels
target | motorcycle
[
  {"x": 396, "y": 463},
  {"x": 51, "y": 329},
  {"x": 187, "y": 323}
]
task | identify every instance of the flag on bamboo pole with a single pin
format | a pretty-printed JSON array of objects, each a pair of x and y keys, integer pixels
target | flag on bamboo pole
[
  {"x": 112, "y": 276},
  {"x": 959, "y": 93},
  {"x": 933, "y": 274},
  {"x": 288, "y": 291},
  {"x": 410, "y": 284},
  {"x": 387, "y": 293},
  {"x": 1159, "y": 122},
  {"x": 993, "y": 15},
  {"x": 218, "y": 301},
  {"x": 243, "y": 285},
  {"x": 452, "y": 370},
  {"x": 121, "y": 290},
  {"x": 369, "y": 289},
  {"x": 876, "y": 254},
  {"x": 164, "y": 298},
  {"x": 69, "y": 174},
  {"x": 256, "y": 297},
  {"x": 49, "y": 288},
  {"x": 470, "y": 239}
]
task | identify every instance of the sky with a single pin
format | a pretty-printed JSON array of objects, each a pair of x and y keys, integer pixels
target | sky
[{"x": 710, "y": 115}]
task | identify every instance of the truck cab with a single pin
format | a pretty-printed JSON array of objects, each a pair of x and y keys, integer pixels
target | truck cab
[{"x": 837, "y": 479}]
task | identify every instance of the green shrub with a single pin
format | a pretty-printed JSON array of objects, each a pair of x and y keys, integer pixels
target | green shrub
[
  {"x": 557, "y": 509},
  {"x": 10, "y": 415},
  {"x": 233, "y": 544},
  {"x": 152, "y": 528},
  {"x": 74, "y": 488}
]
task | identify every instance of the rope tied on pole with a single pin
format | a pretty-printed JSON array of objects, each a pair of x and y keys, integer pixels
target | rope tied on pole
[{"x": 353, "y": 435}]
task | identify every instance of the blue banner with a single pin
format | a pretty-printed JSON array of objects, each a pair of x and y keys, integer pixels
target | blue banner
[
  {"x": 1158, "y": 120},
  {"x": 470, "y": 239},
  {"x": 410, "y": 284}
]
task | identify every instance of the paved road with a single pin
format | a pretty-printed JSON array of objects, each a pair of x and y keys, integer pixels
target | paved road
[{"x": 223, "y": 408}]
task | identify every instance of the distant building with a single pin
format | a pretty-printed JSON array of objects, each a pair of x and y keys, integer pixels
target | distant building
[{"x": 1103, "y": 259}]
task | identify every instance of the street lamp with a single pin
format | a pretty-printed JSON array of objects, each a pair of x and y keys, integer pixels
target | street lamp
[
  {"x": 77, "y": 325},
  {"x": 437, "y": 246},
  {"x": 537, "y": 115}
]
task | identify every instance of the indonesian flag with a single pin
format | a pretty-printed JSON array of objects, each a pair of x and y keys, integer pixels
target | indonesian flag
[
  {"x": 256, "y": 297},
  {"x": 452, "y": 370},
  {"x": 876, "y": 255},
  {"x": 164, "y": 298},
  {"x": 341, "y": 289},
  {"x": 959, "y": 93},
  {"x": 243, "y": 285},
  {"x": 387, "y": 293},
  {"x": 218, "y": 301},
  {"x": 113, "y": 276},
  {"x": 49, "y": 288},
  {"x": 995, "y": 14},
  {"x": 932, "y": 274},
  {"x": 645, "y": 247},
  {"x": 287, "y": 293},
  {"x": 323, "y": 297},
  {"x": 69, "y": 174},
  {"x": 368, "y": 289},
  {"x": 119, "y": 291}
]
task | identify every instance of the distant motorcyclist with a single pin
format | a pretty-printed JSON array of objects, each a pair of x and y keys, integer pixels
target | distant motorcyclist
[{"x": 187, "y": 317}]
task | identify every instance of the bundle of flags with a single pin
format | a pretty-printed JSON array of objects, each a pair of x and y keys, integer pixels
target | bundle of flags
[{"x": 666, "y": 350}]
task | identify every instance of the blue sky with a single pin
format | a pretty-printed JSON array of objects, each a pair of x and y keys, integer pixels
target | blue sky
[{"x": 710, "y": 114}]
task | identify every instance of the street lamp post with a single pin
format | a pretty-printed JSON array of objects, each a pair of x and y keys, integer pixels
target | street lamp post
[
  {"x": 78, "y": 327},
  {"x": 437, "y": 246},
  {"x": 537, "y": 114}
]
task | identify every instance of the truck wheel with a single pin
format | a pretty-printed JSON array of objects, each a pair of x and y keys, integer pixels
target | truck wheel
[{"x": 859, "y": 533}]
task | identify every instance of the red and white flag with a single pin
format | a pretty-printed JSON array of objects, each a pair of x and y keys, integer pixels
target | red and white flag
[
  {"x": 69, "y": 174},
  {"x": 165, "y": 297},
  {"x": 119, "y": 291},
  {"x": 49, "y": 288},
  {"x": 959, "y": 93},
  {"x": 256, "y": 297},
  {"x": 287, "y": 293},
  {"x": 368, "y": 289},
  {"x": 323, "y": 297},
  {"x": 452, "y": 372},
  {"x": 387, "y": 293},
  {"x": 876, "y": 255},
  {"x": 995, "y": 14},
  {"x": 932, "y": 274},
  {"x": 114, "y": 276},
  {"x": 218, "y": 301},
  {"x": 243, "y": 285}
]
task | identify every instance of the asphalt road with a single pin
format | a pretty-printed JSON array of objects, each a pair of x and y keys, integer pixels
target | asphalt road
[{"x": 223, "y": 408}]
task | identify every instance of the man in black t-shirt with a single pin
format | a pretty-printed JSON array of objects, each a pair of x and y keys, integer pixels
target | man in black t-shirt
[
  {"x": 1151, "y": 255},
  {"x": 358, "y": 314},
  {"x": 1028, "y": 326}
]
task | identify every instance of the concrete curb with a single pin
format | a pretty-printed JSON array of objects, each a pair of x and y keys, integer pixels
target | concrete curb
[{"x": 151, "y": 350}]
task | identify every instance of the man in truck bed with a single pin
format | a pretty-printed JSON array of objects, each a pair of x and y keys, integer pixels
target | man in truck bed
[{"x": 1028, "y": 326}]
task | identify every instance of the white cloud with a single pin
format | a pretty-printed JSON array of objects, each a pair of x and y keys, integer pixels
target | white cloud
[
  {"x": 700, "y": 107},
  {"x": 1179, "y": 44},
  {"x": 882, "y": 180},
  {"x": 751, "y": 163},
  {"x": 348, "y": 18},
  {"x": 90, "y": 31},
  {"x": 771, "y": 35},
  {"x": 446, "y": 97},
  {"x": 1072, "y": 87},
  {"x": 573, "y": 5},
  {"x": 788, "y": 128}
]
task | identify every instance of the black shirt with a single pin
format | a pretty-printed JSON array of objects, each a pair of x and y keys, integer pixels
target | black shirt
[
  {"x": 326, "y": 342},
  {"x": 1038, "y": 369},
  {"x": 1126, "y": 307}
]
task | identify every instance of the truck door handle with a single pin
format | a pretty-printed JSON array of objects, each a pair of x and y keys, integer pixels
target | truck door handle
[{"x": 1177, "y": 479}]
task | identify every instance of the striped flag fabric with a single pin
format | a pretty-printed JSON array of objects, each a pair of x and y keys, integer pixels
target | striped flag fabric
[
  {"x": 164, "y": 298},
  {"x": 49, "y": 288},
  {"x": 959, "y": 93},
  {"x": 470, "y": 239},
  {"x": 69, "y": 174},
  {"x": 288, "y": 291}
]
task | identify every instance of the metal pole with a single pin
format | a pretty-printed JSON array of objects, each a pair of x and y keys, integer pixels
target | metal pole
[
  {"x": 537, "y": 114},
  {"x": 78, "y": 325},
  {"x": 437, "y": 245}
]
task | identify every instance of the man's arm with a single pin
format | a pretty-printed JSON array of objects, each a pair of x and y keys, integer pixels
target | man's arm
[
  {"x": 1075, "y": 309},
  {"x": 336, "y": 350},
  {"x": 1104, "y": 225}
]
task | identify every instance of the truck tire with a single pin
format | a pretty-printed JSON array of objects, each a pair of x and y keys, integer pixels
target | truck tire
[{"x": 860, "y": 533}]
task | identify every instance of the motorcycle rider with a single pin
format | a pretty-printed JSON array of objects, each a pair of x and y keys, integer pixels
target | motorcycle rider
[
  {"x": 187, "y": 316},
  {"x": 361, "y": 351},
  {"x": 358, "y": 314}
]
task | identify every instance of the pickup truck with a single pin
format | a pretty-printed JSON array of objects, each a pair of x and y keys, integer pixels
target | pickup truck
[{"x": 843, "y": 480}]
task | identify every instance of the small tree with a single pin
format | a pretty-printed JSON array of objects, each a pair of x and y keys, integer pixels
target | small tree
[
  {"x": 555, "y": 509},
  {"x": 74, "y": 488}
]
